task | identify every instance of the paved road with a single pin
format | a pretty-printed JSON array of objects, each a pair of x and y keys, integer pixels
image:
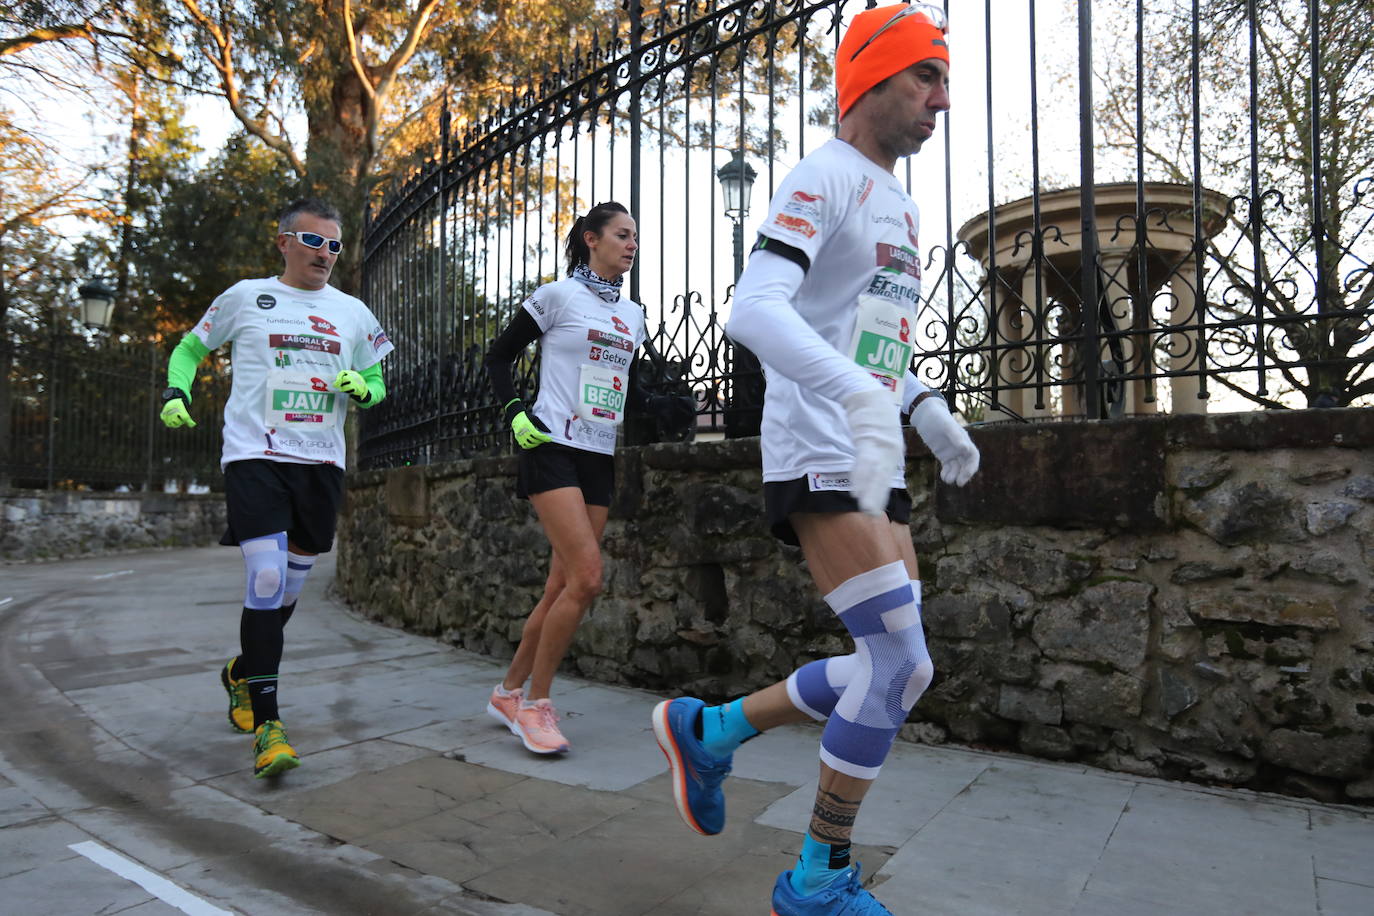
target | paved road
[{"x": 122, "y": 789}]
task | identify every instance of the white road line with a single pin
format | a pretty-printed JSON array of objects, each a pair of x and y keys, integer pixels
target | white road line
[
  {"x": 151, "y": 882},
  {"x": 122, "y": 572},
  {"x": 5, "y": 601}
]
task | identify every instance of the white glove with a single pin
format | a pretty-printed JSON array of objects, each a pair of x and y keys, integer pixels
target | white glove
[
  {"x": 878, "y": 447},
  {"x": 947, "y": 441}
]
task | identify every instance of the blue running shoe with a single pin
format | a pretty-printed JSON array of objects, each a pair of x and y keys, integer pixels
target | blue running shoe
[
  {"x": 846, "y": 897},
  {"x": 695, "y": 771}
]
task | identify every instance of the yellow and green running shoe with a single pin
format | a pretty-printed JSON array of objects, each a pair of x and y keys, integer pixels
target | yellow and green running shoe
[
  {"x": 240, "y": 704},
  {"x": 274, "y": 755}
]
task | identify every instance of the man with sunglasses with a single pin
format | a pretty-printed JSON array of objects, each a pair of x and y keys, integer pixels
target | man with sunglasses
[
  {"x": 828, "y": 303},
  {"x": 301, "y": 351}
]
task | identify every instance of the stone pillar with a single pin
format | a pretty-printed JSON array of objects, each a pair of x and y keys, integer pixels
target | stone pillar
[{"x": 1185, "y": 344}]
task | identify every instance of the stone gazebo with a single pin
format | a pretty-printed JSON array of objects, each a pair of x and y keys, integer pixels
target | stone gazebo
[{"x": 1031, "y": 352}]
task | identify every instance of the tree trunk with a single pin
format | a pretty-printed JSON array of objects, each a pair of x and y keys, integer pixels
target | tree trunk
[{"x": 339, "y": 162}]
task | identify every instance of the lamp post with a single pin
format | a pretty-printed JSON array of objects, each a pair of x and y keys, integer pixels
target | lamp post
[
  {"x": 736, "y": 179},
  {"x": 97, "y": 303},
  {"x": 745, "y": 410}
]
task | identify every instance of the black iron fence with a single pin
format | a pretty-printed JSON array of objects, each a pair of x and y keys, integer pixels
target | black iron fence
[
  {"x": 77, "y": 411},
  {"x": 1133, "y": 208}
]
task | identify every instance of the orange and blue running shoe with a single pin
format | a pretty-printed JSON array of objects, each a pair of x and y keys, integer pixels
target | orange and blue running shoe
[{"x": 696, "y": 773}]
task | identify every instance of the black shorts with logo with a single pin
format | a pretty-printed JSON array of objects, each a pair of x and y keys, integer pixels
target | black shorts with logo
[
  {"x": 781, "y": 498},
  {"x": 553, "y": 465},
  {"x": 265, "y": 497}
]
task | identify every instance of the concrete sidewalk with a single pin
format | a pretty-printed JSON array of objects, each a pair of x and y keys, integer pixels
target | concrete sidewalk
[{"x": 414, "y": 797}]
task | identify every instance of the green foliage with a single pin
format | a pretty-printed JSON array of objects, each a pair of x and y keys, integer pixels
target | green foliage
[{"x": 213, "y": 229}]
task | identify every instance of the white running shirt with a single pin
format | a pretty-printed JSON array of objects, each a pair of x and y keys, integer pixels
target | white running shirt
[
  {"x": 584, "y": 364},
  {"x": 860, "y": 230},
  {"x": 289, "y": 345}
]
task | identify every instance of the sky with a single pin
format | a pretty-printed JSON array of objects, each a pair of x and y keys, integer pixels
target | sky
[{"x": 991, "y": 111}]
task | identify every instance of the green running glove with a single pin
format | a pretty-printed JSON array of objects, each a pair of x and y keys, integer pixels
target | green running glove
[
  {"x": 351, "y": 383},
  {"x": 174, "y": 414},
  {"x": 529, "y": 431}
]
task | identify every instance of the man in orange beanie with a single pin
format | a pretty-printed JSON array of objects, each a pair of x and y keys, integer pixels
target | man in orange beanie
[{"x": 828, "y": 303}]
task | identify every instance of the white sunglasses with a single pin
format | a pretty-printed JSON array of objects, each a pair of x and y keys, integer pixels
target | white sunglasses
[
  {"x": 315, "y": 240},
  {"x": 935, "y": 14}
]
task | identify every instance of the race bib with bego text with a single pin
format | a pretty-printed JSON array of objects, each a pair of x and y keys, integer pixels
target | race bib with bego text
[{"x": 601, "y": 394}]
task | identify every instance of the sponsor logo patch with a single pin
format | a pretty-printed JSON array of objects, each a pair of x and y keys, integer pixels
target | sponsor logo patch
[
  {"x": 911, "y": 235},
  {"x": 324, "y": 327},
  {"x": 818, "y": 482},
  {"x": 899, "y": 260},
  {"x": 607, "y": 357},
  {"x": 892, "y": 289},
  {"x": 607, "y": 339},
  {"x": 865, "y": 189},
  {"x": 620, "y": 326},
  {"x": 302, "y": 342},
  {"x": 265, "y": 302},
  {"x": 795, "y": 224}
]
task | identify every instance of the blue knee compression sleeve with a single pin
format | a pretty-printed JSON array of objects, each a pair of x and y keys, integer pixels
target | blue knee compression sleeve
[
  {"x": 815, "y": 687},
  {"x": 891, "y": 669},
  {"x": 264, "y": 561}
]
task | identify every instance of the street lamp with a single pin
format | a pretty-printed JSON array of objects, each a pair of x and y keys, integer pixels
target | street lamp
[
  {"x": 745, "y": 410},
  {"x": 736, "y": 179},
  {"x": 97, "y": 303}
]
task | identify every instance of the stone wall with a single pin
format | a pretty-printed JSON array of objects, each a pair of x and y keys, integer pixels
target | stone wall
[
  {"x": 46, "y": 525},
  {"x": 1187, "y": 597}
]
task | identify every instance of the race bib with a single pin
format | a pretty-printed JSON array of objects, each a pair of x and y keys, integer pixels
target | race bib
[
  {"x": 882, "y": 342},
  {"x": 300, "y": 401},
  {"x": 601, "y": 394}
]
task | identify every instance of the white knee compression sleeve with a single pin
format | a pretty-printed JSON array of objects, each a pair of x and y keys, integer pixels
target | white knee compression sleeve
[
  {"x": 297, "y": 569},
  {"x": 264, "y": 561},
  {"x": 891, "y": 669}
]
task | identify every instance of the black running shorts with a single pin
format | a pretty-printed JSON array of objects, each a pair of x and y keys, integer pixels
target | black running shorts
[
  {"x": 264, "y": 497},
  {"x": 783, "y": 497},
  {"x": 552, "y": 465}
]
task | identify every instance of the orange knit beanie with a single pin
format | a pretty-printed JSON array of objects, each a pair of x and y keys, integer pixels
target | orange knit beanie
[{"x": 909, "y": 40}]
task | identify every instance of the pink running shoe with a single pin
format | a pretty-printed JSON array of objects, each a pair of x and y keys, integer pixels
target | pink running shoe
[
  {"x": 503, "y": 708},
  {"x": 536, "y": 724}
]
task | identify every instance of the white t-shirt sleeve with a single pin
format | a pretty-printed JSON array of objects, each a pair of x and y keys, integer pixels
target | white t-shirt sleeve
[
  {"x": 764, "y": 320},
  {"x": 216, "y": 327},
  {"x": 911, "y": 389},
  {"x": 371, "y": 345},
  {"x": 544, "y": 305},
  {"x": 808, "y": 205}
]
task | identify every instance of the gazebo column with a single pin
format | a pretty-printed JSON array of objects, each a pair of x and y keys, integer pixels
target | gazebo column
[
  {"x": 1185, "y": 345},
  {"x": 1037, "y": 354}
]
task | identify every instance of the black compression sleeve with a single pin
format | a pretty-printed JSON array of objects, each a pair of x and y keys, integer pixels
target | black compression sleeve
[
  {"x": 790, "y": 252},
  {"x": 503, "y": 352},
  {"x": 636, "y": 398}
]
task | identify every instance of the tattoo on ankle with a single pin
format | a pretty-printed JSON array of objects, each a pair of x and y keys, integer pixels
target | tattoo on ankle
[{"x": 832, "y": 820}]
